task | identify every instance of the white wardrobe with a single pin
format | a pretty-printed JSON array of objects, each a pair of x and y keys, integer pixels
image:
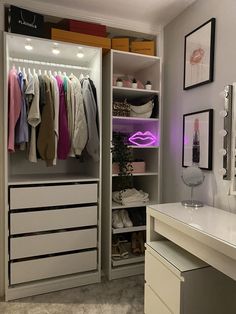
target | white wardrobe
[{"x": 52, "y": 214}]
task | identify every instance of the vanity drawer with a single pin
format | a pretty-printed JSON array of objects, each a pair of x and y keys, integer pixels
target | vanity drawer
[
  {"x": 163, "y": 282},
  {"x": 53, "y": 219},
  {"x": 50, "y": 243},
  {"x": 49, "y": 267},
  {"x": 153, "y": 304},
  {"x": 43, "y": 196}
]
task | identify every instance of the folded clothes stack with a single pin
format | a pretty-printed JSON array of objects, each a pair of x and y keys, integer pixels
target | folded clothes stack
[{"x": 130, "y": 197}]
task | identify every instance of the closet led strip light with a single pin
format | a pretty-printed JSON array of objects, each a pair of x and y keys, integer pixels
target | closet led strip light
[{"x": 49, "y": 64}]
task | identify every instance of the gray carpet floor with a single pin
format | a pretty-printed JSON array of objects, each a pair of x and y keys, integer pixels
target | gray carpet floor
[{"x": 122, "y": 296}]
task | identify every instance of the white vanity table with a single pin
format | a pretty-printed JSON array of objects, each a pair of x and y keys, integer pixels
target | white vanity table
[{"x": 190, "y": 262}]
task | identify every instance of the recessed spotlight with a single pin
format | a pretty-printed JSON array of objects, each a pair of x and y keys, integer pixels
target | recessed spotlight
[
  {"x": 80, "y": 55},
  {"x": 28, "y": 39},
  {"x": 55, "y": 51},
  {"x": 55, "y": 44},
  {"x": 80, "y": 47},
  {"x": 28, "y": 47}
]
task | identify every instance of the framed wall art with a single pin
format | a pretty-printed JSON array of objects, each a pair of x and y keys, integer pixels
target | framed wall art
[
  {"x": 199, "y": 55},
  {"x": 197, "y": 139}
]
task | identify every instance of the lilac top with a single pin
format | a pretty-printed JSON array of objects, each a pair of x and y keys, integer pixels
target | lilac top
[{"x": 63, "y": 147}]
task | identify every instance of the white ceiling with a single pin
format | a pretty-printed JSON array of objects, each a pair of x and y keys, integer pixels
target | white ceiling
[{"x": 153, "y": 12}]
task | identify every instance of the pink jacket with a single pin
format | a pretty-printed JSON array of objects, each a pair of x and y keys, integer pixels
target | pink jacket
[{"x": 14, "y": 107}]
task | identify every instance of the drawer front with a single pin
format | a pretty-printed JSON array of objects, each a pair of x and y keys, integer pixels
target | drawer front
[
  {"x": 43, "y": 196},
  {"x": 49, "y": 267},
  {"x": 153, "y": 304},
  {"x": 163, "y": 282},
  {"x": 55, "y": 219},
  {"x": 36, "y": 245}
]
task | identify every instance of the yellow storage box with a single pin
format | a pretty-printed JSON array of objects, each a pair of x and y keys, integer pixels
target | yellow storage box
[
  {"x": 120, "y": 44},
  {"x": 83, "y": 39},
  {"x": 143, "y": 47}
]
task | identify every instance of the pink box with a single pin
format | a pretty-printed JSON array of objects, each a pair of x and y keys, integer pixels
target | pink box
[{"x": 138, "y": 167}]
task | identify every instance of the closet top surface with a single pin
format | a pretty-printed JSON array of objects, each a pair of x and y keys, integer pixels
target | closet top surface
[
  {"x": 42, "y": 49},
  {"x": 206, "y": 222}
]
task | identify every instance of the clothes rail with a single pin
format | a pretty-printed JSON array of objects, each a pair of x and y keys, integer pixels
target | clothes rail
[{"x": 69, "y": 66}]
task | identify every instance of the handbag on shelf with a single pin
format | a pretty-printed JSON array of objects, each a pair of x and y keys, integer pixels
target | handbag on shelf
[
  {"x": 25, "y": 22},
  {"x": 121, "y": 108},
  {"x": 142, "y": 111}
]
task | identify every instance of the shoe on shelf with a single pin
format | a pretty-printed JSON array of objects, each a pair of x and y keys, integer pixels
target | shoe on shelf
[
  {"x": 136, "y": 217},
  {"x": 116, "y": 220},
  {"x": 123, "y": 250},
  {"x": 141, "y": 241},
  {"x": 125, "y": 218},
  {"x": 116, "y": 251},
  {"x": 135, "y": 247}
]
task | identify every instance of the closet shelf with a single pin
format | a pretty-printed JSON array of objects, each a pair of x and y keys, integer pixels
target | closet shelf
[
  {"x": 130, "y": 260},
  {"x": 132, "y": 93},
  {"x": 140, "y": 174},
  {"x": 120, "y": 206},
  {"x": 134, "y": 119},
  {"x": 49, "y": 178},
  {"x": 131, "y": 229}
]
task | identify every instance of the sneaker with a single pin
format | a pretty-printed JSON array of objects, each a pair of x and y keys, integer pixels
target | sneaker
[
  {"x": 116, "y": 220},
  {"x": 125, "y": 218}
]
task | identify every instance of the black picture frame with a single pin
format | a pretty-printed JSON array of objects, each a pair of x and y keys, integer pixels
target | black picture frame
[
  {"x": 197, "y": 142},
  {"x": 199, "y": 48}
]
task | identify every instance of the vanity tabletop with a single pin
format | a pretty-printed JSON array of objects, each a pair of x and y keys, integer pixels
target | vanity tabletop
[{"x": 208, "y": 221}]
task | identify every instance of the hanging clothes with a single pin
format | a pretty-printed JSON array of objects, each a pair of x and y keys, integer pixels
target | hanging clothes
[
  {"x": 80, "y": 136},
  {"x": 14, "y": 107},
  {"x": 96, "y": 100},
  {"x": 34, "y": 117},
  {"x": 90, "y": 105},
  {"x": 22, "y": 129},
  {"x": 63, "y": 147},
  {"x": 69, "y": 97},
  {"x": 46, "y": 138},
  {"x": 55, "y": 97}
]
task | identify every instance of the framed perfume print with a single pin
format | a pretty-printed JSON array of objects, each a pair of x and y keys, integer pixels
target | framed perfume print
[
  {"x": 197, "y": 139},
  {"x": 199, "y": 55}
]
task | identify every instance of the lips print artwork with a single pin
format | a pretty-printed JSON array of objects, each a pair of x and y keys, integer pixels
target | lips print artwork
[
  {"x": 197, "y": 56},
  {"x": 143, "y": 138}
]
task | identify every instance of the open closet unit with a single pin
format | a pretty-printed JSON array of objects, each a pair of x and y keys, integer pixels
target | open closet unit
[
  {"x": 131, "y": 111},
  {"x": 52, "y": 212}
]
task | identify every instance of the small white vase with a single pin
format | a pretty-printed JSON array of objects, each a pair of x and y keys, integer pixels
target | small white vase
[
  {"x": 119, "y": 84},
  {"x": 148, "y": 86},
  {"x": 134, "y": 85}
]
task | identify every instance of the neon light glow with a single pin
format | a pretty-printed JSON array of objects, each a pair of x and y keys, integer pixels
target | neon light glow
[{"x": 143, "y": 138}]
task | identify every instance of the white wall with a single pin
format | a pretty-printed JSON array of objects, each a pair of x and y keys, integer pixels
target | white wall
[{"x": 178, "y": 102}]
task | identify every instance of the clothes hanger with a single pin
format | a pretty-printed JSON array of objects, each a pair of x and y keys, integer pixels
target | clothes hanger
[
  {"x": 24, "y": 72},
  {"x": 29, "y": 71},
  {"x": 55, "y": 73},
  {"x": 34, "y": 71},
  {"x": 45, "y": 72},
  {"x": 40, "y": 72},
  {"x": 19, "y": 69},
  {"x": 64, "y": 73},
  {"x": 81, "y": 76},
  {"x": 50, "y": 72}
]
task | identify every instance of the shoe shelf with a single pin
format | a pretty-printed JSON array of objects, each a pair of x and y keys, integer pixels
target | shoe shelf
[
  {"x": 132, "y": 259},
  {"x": 128, "y": 229}
]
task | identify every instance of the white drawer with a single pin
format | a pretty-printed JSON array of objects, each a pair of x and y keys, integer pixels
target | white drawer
[
  {"x": 52, "y": 243},
  {"x": 53, "y": 219},
  {"x": 52, "y": 266},
  {"x": 43, "y": 196},
  {"x": 153, "y": 304},
  {"x": 164, "y": 282}
]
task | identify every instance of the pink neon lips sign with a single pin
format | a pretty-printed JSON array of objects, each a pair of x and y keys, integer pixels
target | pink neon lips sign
[{"x": 143, "y": 138}]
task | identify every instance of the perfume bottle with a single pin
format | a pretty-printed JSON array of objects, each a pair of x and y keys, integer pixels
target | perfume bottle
[{"x": 196, "y": 142}]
